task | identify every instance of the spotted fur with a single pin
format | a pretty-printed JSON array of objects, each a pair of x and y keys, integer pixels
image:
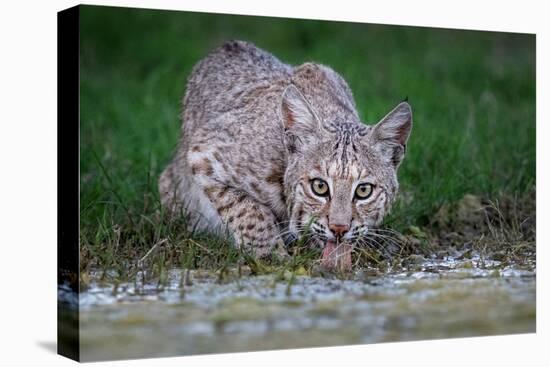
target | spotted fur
[{"x": 257, "y": 131}]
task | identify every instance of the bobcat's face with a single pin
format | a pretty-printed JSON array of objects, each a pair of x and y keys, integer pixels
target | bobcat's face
[
  {"x": 341, "y": 178},
  {"x": 340, "y": 192}
]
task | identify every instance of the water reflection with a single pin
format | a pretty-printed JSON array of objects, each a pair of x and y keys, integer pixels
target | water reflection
[{"x": 436, "y": 299}]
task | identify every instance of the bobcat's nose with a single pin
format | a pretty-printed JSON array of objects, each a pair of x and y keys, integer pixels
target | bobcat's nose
[{"x": 339, "y": 229}]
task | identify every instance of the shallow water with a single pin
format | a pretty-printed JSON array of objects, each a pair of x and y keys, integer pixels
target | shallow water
[{"x": 203, "y": 313}]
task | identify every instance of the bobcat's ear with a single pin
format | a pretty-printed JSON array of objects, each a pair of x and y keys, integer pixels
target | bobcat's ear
[
  {"x": 301, "y": 124},
  {"x": 390, "y": 135}
]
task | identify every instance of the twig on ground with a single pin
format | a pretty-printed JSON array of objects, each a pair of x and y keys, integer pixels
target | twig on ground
[{"x": 141, "y": 261}]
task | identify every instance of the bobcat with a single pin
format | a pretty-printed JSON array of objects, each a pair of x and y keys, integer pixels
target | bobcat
[{"x": 269, "y": 150}]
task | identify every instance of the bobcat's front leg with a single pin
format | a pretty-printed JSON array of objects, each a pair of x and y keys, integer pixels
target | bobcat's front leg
[{"x": 253, "y": 225}]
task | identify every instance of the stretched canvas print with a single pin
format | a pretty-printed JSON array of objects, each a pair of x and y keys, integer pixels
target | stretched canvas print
[{"x": 235, "y": 183}]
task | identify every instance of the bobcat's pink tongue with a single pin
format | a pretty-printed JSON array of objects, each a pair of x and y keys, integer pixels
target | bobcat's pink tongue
[{"x": 337, "y": 256}]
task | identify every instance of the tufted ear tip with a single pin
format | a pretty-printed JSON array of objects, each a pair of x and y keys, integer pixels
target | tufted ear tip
[
  {"x": 392, "y": 132},
  {"x": 396, "y": 126},
  {"x": 404, "y": 109}
]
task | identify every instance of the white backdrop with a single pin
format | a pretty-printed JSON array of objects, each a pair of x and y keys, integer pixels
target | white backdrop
[{"x": 28, "y": 180}]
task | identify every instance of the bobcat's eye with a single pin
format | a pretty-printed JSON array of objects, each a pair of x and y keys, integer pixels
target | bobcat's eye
[
  {"x": 319, "y": 187},
  {"x": 363, "y": 191}
]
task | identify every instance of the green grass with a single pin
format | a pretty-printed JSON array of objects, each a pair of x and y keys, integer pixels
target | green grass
[{"x": 472, "y": 93}]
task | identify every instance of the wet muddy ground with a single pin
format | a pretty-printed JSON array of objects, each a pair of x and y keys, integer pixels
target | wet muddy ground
[{"x": 201, "y": 312}]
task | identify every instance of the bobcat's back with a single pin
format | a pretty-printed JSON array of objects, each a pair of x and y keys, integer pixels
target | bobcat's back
[{"x": 227, "y": 79}]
